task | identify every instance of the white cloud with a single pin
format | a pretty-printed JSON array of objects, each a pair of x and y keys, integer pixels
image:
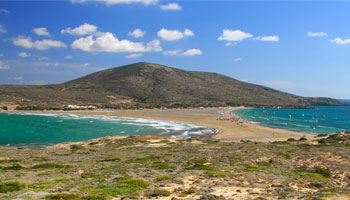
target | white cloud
[
  {"x": 112, "y": 2},
  {"x": 188, "y": 33},
  {"x": 272, "y": 38},
  {"x": 84, "y": 29},
  {"x": 231, "y": 44},
  {"x": 238, "y": 59},
  {"x": 68, "y": 57},
  {"x": 4, "y": 11},
  {"x": 192, "y": 52},
  {"x": 44, "y": 58},
  {"x": 42, "y": 31},
  {"x": 234, "y": 35},
  {"x": 318, "y": 34},
  {"x": 135, "y": 55},
  {"x": 18, "y": 78},
  {"x": 3, "y": 66},
  {"x": 171, "y": 6},
  {"x": 172, "y": 52},
  {"x": 37, "y": 82},
  {"x": 137, "y": 33},
  {"x": 341, "y": 41},
  {"x": 3, "y": 29},
  {"x": 24, "y": 55},
  {"x": 26, "y": 42},
  {"x": 1, "y": 55},
  {"x": 172, "y": 35},
  {"x": 107, "y": 42}
]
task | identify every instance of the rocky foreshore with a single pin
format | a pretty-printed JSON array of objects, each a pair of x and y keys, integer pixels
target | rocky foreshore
[{"x": 154, "y": 167}]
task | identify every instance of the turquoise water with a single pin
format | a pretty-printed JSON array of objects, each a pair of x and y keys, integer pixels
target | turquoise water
[
  {"x": 43, "y": 129},
  {"x": 322, "y": 120}
]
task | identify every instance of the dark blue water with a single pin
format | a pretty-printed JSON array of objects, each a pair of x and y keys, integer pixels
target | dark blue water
[{"x": 322, "y": 120}]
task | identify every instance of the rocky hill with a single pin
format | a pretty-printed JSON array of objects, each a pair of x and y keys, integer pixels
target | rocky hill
[{"x": 153, "y": 85}]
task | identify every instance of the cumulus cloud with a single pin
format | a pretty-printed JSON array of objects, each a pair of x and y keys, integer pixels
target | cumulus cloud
[
  {"x": 3, "y": 66},
  {"x": 238, "y": 59},
  {"x": 341, "y": 41},
  {"x": 42, "y": 31},
  {"x": 112, "y": 2},
  {"x": 172, "y": 52},
  {"x": 84, "y": 29},
  {"x": 132, "y": 56},
  {"x": 68, "y": 57},
  {"x": 318, "y": 34},
  {"x": 273, "y": 38},
  {"x": 24, "y": 55},
  {"x": 192, "y": 52},
  {"x": 137, "y": 33},
  {"x": 234, "y": 35},
  {"x": 172, "y": 35},
  {"x": 3, "y": 29},
  {"x": 26, "y": 42},
  {"x": 107, "y": 42},
  {"x": 171, "y": 6}
]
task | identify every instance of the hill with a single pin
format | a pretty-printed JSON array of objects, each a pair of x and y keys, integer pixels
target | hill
[{"x": 153, "y": 85}]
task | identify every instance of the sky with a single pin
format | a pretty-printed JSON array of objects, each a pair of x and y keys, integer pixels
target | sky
[{"x": 300, "y": 47}]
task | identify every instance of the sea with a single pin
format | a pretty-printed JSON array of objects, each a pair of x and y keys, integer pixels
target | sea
[
  {"x": 319, "y": 120},
  {"x": 45, "y": 129}
]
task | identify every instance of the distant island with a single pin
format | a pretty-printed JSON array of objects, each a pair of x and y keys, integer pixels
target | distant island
[{"x": 147, "y": 85}]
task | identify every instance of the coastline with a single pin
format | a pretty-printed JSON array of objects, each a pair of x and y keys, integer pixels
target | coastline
[{"x": 229, "y": 126}]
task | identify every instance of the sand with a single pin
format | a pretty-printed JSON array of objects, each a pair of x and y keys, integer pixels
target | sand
[{"x": 229, "y": 126}]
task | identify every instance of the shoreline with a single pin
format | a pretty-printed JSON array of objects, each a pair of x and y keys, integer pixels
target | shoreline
[{"x": 230, "y": 127}]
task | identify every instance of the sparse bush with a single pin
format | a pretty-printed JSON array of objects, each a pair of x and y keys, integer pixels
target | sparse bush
[
  {"x": 94, "y": 197},
  {"x": 48, "y": 166},
  {"x": 62, "y": 196},
  {"x": 14, "y": 167},
  {"x": 76, "y": 147},
  {"x": 10, "y": 187},
  {"x": 162, "y": 178},
  {"x": 160, "y": 193}
]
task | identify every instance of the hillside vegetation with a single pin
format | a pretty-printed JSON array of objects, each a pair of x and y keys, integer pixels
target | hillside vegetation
[{"x": 153, "y": 85}]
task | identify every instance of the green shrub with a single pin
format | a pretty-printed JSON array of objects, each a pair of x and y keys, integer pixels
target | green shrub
[
  {"x": 324, "y": 172},
  {"x": 76, "y": 147},
  {"x": 160, "y": 193},
  {"x": 249, "y": 167},
  {"x": 62, "y": 196},
  {"x": 10, "y": 187},
  {"x": 162, "y": 178},
  {"x": 122, "y": 186},
  {"x": 94, "y": 197},
  {"x": 14, "y": 167},
  {"x": 48, "y": 166},
  {"x": 162, "y": 165}
]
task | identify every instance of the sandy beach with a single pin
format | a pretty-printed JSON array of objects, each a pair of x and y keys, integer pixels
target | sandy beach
[{"x": 229, "y": 126}]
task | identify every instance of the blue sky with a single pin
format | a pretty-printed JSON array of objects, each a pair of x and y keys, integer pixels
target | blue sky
[{"x": 294, "y": 46}]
